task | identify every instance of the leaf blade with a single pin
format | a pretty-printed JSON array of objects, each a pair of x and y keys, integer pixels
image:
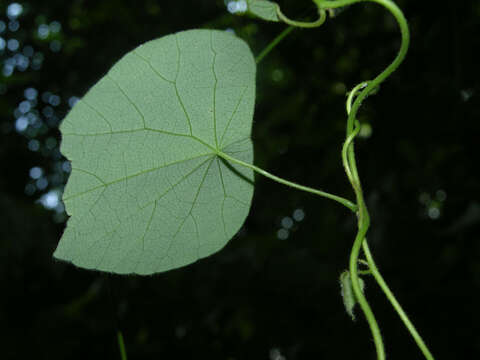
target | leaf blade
[{"x": 144, "y": 195}]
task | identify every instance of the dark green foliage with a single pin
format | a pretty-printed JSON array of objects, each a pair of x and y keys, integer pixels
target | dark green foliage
[{"x": 260, "y": 293}]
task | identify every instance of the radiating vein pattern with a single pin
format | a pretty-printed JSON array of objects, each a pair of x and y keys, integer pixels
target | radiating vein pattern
[{"x": 148, "y": 192}]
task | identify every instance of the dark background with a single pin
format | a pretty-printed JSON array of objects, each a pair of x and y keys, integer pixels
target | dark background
[{"x": 261, "y": 297}]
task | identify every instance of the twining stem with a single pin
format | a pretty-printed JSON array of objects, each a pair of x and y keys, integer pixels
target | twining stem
[
  {"x": 388, "y": 293},
  {"x": 363, "y": 90},
  {"x": 363, "y": 216},
  {"x": 352, "y": 94},
  {"x": 348, "y": 157},
  {"x": 336, "y": 198},
  {"x": 346, "y": 146}
]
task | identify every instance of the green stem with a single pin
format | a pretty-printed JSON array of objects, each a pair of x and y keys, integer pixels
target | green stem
[
  {"x": 361, "y": 299},
  {"x": 348, "y": 157},
  {"x": 363, "y": 216},
  {"x": 354, "y": 92},
  {"x": 121, "y": 345},
  {"x": 388, "y": 293},
  {"x": 346, "y": 146},
  {"x": 274, "y": 43},
  {"x": 364, "y": 272},
  {"x": 336, "y": 198}
]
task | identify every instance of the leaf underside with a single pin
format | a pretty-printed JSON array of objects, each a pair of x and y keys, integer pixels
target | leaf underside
[
  {"x": 148, "y": 191},
  {"x": 263, "y": 9}
]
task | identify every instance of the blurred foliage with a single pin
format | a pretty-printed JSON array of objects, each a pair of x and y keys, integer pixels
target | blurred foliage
[{"x": 261, "y": 297}]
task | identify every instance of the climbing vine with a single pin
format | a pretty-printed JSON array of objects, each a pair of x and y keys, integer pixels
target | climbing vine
[{"x": 168, "y": 130}]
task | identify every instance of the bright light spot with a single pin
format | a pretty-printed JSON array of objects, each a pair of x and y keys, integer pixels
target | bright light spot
[
  {"x": 54, "y": 100},
  {"x": 55, "y": 46},
  {"x": 60, "y": 209},
  {"x": 277, "y": 75},
  {"x": 8, "y": 70},
  {"x": 66, "y": 166},
  {"x": 50, "y": 200},
  {"x": 339, "y": 88},
  {"x": 13, "y": 25},
  {"x": 3, "y": 43},
  {"x": 30, "y": 93},
  {"x": 230, "y": 30},
  {"x": 433, "y": 213},
  {"x": 37, "y": 61},
  {"x": 466, "y": 94},
  {"x": 43, "y": 31},
  {"x": 32, "y": 119},
  {"x": 30, "y": 189},
  {"x": 14, "y": 10},
  {"x": 282, "y": 234},
  {"x": 441, "y": 195},
  {"x": 237, "y": 6},
  {"x": 365, "y": 130},
  {"x": 41, "y": 183},
  {"x": 10, "y": 62},
  {"x": 180, "y": 331},
  {"x": 424, "y": 198},
  {"x": 34, "y": 145},
  {"x": 232, "y": 7},
  {"x": 287, "y": 222},
  {"x": 13, "y": 44},
  {"x": 275, "y": 354},
  {"x": 55, "y": 27},
  {"x": 17, "y": 113},
  {"x": 24, "y": 106},
  {"x": 298, "y": 215},
  {"x": 72, "y": 101},
  {"x": 36, "y": 172},
  {"x": 21, "y": 61},
  {"x": 50, "y": 143},
  {"x": 47, "y": 111},
  {"x": 21, "y": 124},
  {"x": 242, "y": 6}
]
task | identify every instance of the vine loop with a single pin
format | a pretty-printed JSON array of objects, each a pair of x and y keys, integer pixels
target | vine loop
[
  {"x": 322, "y": 16},
  {"x": 360, "y": 93}
]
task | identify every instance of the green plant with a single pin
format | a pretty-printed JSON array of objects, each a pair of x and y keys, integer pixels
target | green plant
[{"x": 161, "y": 153}]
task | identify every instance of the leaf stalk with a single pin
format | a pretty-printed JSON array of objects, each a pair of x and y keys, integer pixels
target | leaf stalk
[{"x": 347, "y": 203}]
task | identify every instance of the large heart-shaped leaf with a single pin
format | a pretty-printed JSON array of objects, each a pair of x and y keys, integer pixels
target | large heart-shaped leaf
[{"x": 148, "y": 190}]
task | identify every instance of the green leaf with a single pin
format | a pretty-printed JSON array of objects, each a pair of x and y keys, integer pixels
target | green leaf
[
  {"x": 348, "y": 296},
  {"x": 148, "y": 191},
  {"x": 266, "y": 10}
]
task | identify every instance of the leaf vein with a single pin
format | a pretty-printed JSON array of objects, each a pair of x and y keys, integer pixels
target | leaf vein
[
  {"x": 214, "y": 91},
  {"x": 233, "y": 114},
  {"x": 135, "y": 175},
  {"x": 149, "y": 63},
  {"x": 108, "y": 76}
]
